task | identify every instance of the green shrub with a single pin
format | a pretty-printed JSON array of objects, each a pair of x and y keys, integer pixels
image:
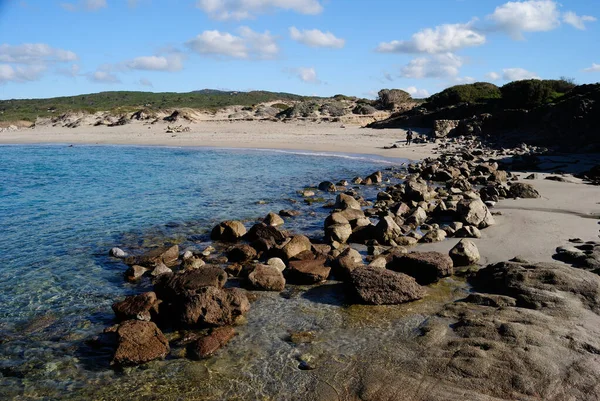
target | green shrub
[
  {"x": 479, "y": 92},
  {"x": 280, "y": 106},
  {"x": 532, "y": 93},
  {"x": 387, "y": 99}
]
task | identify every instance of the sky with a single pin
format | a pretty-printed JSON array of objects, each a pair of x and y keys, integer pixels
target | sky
[{"x": 52, "y": 48}]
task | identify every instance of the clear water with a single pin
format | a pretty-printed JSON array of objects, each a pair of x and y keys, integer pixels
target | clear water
[{"x": 62, "y": 208}]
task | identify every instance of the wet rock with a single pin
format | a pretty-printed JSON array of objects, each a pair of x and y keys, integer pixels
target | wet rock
[
  {"x": 376, "y": 177},
  {"x": 139, "y": 342},
  {"x": 228, "y": 231},
  {"x": 465, "y": 253},
  {"x": 327, "y": 186},
  {"x": 135, "y": 307},
  {"x": 265, "y": 232},
  {"x": 267, "y": 278},
  {"x": 289, "y": 213},
  {"x": 166, "y": 255},
  {"x": 384, "y": 287},
  {"x": 425, "y": 267},
  {"x": 117, "y": 253},
  {"x": 135, "y": 272},
  {"x": 273, "y": 220},
  {"x": 208, "y": 345},
  {"x": 212, "y": 306},
  {"x": 475, "y": 212},
  {"x": 491, "y": 300},
  {"x": 171, "y": 287},
  {"x": 523, "y": 190},
  {"x": 241, "y": 254},
  {"x": 308, "y": 271}
]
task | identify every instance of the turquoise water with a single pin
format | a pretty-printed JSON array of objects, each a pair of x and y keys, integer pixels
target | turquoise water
[{"x": 62, "y": 208}]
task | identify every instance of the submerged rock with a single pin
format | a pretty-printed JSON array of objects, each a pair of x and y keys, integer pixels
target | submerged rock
[
  {"x": 139, "y": 342},
  {"x": 211, "y": 306},
  {"x": 165, "y": 255},
  {"x": 208, "y": 345}
]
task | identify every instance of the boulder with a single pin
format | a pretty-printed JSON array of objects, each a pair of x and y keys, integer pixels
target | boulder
[
  {"x": 212, "y": 306},
  {"x": 264, "y": 231},
  {"x": 208, "y": 345},
  {"x": 266, "y": 278},
  {"x": 173, "y": 286},
  {"x": 228, "y": 231},
  {"x": 387, "y": 230},
  {"x": 193, "y": 263},
  {"x": 277, "y": 263},
  {"x": 523, "y": 190},
  {"x": 475, "y": 212},
  {"x": 344, "y": 201},
  {"x": 384, "y": 287},
  {"x": 135, "y": 272},
  {"x": 135, "y": 307},
  {"x": 166, "y": 255},
  {"x": 160, "y": 269},
  {"x": 117, "y": 253},
  {"x": 241, "y": 254},
  {"x": 418, "y": 191},
  {"x": 465, "y": 253},
  {"x": 425, "y": 267},
  {"x": 348, "y": 260},
  {"x": 468, "y": 232},
  {"x": 139, "y": 342},
  {"x": 289, "y": 213},
  {"x": 308, "y": 271},
  {"x": 297, "y": 244},
  {"x": 327, "y": 186},
  {"x": 273, "y": 220},
  {"x": 435, "y": 235},
  {"x": 338, "y": 232},
  {"x": 376, "y": 177}
]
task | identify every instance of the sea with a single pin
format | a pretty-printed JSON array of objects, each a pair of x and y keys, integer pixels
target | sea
[{"x": 63, "y": 207}]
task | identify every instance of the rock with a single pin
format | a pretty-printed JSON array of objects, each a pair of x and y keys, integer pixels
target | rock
[
  {"x": 273, "y": 220},
  {"x": 327, "y": 186},
  {"x": 117, "y": 253},
  {"x": 475, "y": 212},
  {"x": 208, "y": 345},
  {"x": 228, "y": 231},
  {"x": 441, "y": 128},
  {"x": 139, "y": 342},
  {"x": 338, "y": 232},
  {"x": 425, "y": 267},
  {"x": 532, "y": 176},
  {"x": 435, "y": 235},
  {"x": 376, "y": 177},
  {"x": 277, "y": 263},
  {"x": 160, "y": 269},
  {"x": 468, "y": 232},
  {"x": 135, "y": 307},
  {"x": 166, "y": 255},
  {"x": 497, "y": 301},
  {"x": 523, "y": 190},
  {"x": 378, "y": 263},
  {"x": 498, "y": 176},
  {"x": 418, "y": 191},
  {"x": 135, "y": 272},
  {"x": 406, "y": 240},
  {"x": 192, "y": 263},
  {"x": 418, "y": 217},
  {"x": 171, "y": 287},
  {"x": 465, "y": 253},
  {"x": 267, "y": 278},
  {"x": 348, "y": 260},
  {"x": 212, "y": 306},
  {"x": 384, "y": 287},
  {"x": 308, "y": 271},
  {"x": 387, "y": 230},
  {"x": 297, "y": 244},
  {"x": 264, "y": 231},
  {"x": 241, "y": 254},
  {"x": 289, "y": 213},
  {"x": 344, "y": 201},
  {"x": 336, "y": 218}
]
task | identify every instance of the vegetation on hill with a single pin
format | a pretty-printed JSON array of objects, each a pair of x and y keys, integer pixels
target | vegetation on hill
[
  {"x": 30, "y": 109},
  {"x": 532, "y": 93},
  {"x": 479, "y": 92},
  {"x": 388, "y": 99}
]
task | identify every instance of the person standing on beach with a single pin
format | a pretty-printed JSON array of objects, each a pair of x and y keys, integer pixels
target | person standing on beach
[{"x": 409, "y": 137}]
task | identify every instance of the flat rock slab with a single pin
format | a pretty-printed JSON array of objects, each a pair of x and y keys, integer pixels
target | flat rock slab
[
  {"x": 165, "y": 255},
  {"x": 171, "y": 286},
  {"x": 384, "y": 287},
  {"x": 425, "y": 267},
  {"x": 139, "y": 342},
  {"x": 308, "y": 271}
]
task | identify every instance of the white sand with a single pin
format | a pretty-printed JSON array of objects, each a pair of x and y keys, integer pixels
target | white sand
[{"x": 531, "y": 228}]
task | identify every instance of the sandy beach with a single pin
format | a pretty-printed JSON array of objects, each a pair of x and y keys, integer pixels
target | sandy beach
[{"x": 530, "y": 228}]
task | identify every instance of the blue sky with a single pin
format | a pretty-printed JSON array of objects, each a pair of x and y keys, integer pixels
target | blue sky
[{"x": 322, "y": 47}]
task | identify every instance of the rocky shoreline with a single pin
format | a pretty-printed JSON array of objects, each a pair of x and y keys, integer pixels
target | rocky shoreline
[{"x": 199, "y": 296}]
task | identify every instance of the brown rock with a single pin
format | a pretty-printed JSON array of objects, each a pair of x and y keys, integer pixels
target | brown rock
[
  {"x": 297, "y": 244},
  {"x": 170, "y": 287},
  {"x": 211, "y": 306},
  {"x": 241, "y": 253},
  {"x": 207, "y": 346},
  {"x": 265, "y": 232},
  {"x": 135, "y": 272},
  {"x": 139, "y": 342},
  {"x": 273, "y": 220},
  {"x": 308, "y": 271},
  {"x": 228, "y": 231},
  {"x": 384, "y": 287},
  {"x": 135, "y": 307},
  {"x": 166, "y": 255},
  {"x": 425, "y": 267},
  {"x": 267, "y": 278}
]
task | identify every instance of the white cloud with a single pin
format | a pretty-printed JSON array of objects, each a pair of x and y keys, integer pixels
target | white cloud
[
  {"x": 146, "y": 82},
  {"x": 417, "y": 93},
  {"x": 441, "y": 39},
  {"x": 249, "y": 45},
  {"x": 518, "y": 74},
  {"x": 9, "y": 73},
  {"x": 316, "y": 38},
  {"x": 464, "y": 80},
  {"x": 34, "y": 53},
  {"x": 577, "y": 21},
  {"x": 243, "y": 9},
  {"x": 516, "y": 17},
  {"x": 439, "y": 66},
  {"x": 89, "y": 5},
  {"x": 69, "y": 72},
  {"x": 308, "y": 75},
  {"x": 105, "y": 77},
  {"x": 492, "y": 76},
  {"x": 172, "y": 62},
  {"x": 594, "y": 68}
]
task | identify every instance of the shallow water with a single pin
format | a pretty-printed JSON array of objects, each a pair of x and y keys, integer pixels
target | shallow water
[{"x": 62, "y": 208}]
